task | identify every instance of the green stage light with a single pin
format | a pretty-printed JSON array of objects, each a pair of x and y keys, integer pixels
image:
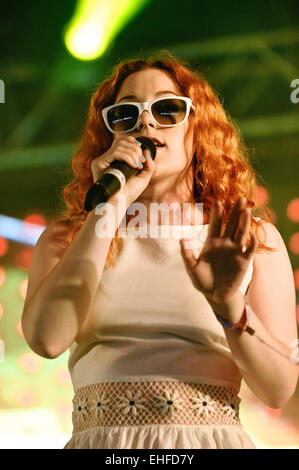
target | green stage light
[{"x": 95, "y": 23}]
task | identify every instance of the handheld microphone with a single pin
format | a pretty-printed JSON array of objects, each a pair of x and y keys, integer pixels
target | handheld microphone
[{"x": 115, "y": 177}]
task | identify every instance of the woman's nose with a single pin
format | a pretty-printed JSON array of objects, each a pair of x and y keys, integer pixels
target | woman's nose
[{"x": 145, "y": 120}]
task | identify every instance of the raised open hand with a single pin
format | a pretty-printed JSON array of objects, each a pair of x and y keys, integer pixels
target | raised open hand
[{"x": 224, "y": 259}]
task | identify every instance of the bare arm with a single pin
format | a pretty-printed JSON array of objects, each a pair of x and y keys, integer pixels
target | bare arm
[
  {"x": 63, "y": 282},
  {"x": 271, "y": 295},
  {"x": 62, "y": 285}
]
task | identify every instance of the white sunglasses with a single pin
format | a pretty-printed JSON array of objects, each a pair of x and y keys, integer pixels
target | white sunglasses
[{"x": 166, "y": 112}]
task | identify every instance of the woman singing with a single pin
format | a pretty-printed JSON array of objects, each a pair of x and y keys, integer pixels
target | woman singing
[{"x": 161, "y": 330}]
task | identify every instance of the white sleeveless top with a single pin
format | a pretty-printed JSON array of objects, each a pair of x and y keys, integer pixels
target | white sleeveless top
[{"x": 148, "y": 321}]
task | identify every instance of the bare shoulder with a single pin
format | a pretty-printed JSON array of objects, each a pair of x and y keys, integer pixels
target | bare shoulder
[
  {"x": 272, "y": 271},
  {"x": 265, "y": 261},
  {"x": 270, "y": 267},
  {"x": 269, "y": 235},
  {"x": 54, "y": 237}
]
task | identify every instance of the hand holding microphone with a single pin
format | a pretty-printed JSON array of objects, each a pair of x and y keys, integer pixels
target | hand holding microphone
[{"x": 114, "y": 172}]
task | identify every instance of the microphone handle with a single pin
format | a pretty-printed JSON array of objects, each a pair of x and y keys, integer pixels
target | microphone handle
[
  {"x": 115, "y": 177},
  {"x": 109, "y": 183}
]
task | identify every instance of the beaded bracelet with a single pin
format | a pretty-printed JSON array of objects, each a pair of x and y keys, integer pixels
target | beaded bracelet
[
  {"x": 243, "y": 323},
  {"x": 244, "y": 326}
]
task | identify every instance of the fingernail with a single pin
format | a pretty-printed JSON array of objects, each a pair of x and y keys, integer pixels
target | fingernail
[{"x": 143, "y": 158}]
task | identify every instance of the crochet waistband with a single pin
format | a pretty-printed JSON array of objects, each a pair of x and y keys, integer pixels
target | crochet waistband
[{"x": 153, "y": 402}]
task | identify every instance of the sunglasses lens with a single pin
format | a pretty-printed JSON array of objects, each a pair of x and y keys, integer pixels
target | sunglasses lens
[
  {"x": 123, "y": 117},
  {"x": 169, "y": 111}
]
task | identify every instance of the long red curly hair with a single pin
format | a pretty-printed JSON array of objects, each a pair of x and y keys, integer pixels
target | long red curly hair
[{"x": 221, "y": 162}]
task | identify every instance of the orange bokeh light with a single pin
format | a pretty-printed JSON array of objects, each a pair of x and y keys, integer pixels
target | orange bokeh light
[
  {"x": 293, "y": 210},
  {"x": 3, "y": 246},
  {"x": 23, "y": 258},
  {"x": 294, "y": 243},
  {"x": 296, "y": 278},
  {"x": 262, "y": 194},
  {"x": 35, "y": 218},
  {"x": 273, "y": 216}
]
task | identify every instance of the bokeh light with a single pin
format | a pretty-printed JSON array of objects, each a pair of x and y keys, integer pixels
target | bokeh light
[
  {"x": 19, "y": 328},
  {"x": 3, "y": 246},
  {"x": 36, "y": 218},
  {"x": 30, "y": 362},
  {"x": 23, "y": 288},
  {"x": 262, "y": 194},
  {"x": 64, "y": 409},
  {"x": 26, "y": 398},
  {"x": 294, "y": 243},
  {"x": 273, "y": 216},
  {"x": 293, "y": 210},
  {"x": 23, "y": 258},
  {"x": 62, "y": 376},
  {"x": 296, "y": 278}
]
